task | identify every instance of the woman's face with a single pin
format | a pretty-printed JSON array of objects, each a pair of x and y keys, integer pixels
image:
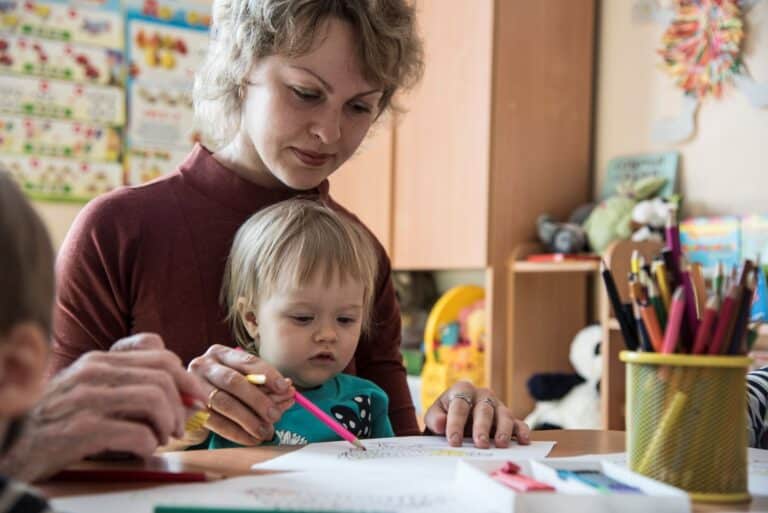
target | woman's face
[{"x": 303, "y": 117}]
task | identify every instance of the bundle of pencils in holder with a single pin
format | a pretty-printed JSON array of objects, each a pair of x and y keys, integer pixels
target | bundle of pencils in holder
[{"x": 673, "y": 311}]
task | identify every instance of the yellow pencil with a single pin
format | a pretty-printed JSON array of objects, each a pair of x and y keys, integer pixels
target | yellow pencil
[
  {"x": 699, "y": 288},
  {"x": 661, "y": 278}
]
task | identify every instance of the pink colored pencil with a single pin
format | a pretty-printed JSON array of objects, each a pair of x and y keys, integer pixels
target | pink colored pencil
[
  {"x": 328, "y": 420},
  {"x": 705, "y": 328},
  {"x": 675, "y": 321},
  {"x": 723, "y": 323}
]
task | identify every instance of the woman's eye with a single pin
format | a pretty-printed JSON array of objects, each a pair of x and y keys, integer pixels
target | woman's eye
[
  {"x": 361, "y": 108},
  {"x": 305, "y": 95}
]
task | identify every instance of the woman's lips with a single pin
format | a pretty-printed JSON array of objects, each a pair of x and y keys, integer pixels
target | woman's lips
[{"x": 311, "y": 158}]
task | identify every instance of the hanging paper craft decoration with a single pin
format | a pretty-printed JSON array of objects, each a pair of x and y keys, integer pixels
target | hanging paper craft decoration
[
  {"x": 702, "y": 50},
  {"x": 702, "y": 46}
]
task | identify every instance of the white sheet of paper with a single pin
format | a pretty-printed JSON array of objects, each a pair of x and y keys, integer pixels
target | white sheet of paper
[
  {"x": 316, "y": 491},
  {"x": 420, "y": 455}
]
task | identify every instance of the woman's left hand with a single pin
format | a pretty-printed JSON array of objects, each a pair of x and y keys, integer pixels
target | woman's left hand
[{"x": 464, "y": 409}]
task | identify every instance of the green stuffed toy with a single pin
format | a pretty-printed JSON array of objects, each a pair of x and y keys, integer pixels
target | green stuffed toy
[{"x": 611, "y": 219}]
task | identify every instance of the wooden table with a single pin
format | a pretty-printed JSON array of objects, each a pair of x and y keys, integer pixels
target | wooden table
[{"x": 237, "y": 462}]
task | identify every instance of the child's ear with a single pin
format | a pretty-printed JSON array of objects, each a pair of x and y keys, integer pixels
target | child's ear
[
  {"x": 248, "y": 317},
  {"x": 23, "y": 358}
]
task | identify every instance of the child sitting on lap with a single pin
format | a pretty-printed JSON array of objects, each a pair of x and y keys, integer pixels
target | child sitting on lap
[{"x": 298, "y": 288}]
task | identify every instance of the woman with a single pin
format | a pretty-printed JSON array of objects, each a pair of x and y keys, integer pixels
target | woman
[{"x": 288, "y": 92}]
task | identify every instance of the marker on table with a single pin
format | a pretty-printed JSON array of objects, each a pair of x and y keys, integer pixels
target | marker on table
[{"x": 260, "y": 379}]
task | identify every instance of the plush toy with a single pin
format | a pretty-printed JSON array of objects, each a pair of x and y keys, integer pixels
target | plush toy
[
  {"x": 570, "y": 401},
  {"x": 611, "y": 219},
  {"x": 649, "y": 218},
  {"x": 567, "y": 237}
]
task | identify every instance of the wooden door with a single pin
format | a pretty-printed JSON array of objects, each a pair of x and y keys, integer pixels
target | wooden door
[{"x": 442, "y": 142}]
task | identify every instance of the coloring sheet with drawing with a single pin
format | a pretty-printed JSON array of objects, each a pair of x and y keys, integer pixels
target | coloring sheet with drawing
[
  {"x": 421, "y": 455},
  {"x": 316, "y": 491},
  {"x": 406, "y": 475}
]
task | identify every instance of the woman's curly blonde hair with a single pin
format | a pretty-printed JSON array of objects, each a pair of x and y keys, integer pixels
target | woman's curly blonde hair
[{"x": 390, "y": 49}]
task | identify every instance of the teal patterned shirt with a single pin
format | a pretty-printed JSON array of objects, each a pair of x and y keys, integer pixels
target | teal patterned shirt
[{"x": 357, "y": 404}]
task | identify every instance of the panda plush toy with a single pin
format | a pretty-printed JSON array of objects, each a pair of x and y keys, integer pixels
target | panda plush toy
[{"x": 570, "y": 401}]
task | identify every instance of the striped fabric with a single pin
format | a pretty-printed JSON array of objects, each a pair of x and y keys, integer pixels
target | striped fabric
[
  {"x": 757, "y": 403},
  {"x": 17, "y": 498}
]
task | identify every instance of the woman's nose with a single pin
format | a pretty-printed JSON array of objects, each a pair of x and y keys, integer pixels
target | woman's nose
[{"x": 327, "y": 125}]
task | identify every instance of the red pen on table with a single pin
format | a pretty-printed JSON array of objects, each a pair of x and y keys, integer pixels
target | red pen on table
[
  {"x": 674, "y": 323},
  {"x": 260, "y": 379},
  {"x": 706, "y": 327}
]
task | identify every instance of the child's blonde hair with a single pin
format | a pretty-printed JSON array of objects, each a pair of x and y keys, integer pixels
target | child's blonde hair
[{"x": 293, "y": 240}]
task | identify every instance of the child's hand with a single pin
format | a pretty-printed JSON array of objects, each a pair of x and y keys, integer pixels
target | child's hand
[{"x": 240, "y": 411}]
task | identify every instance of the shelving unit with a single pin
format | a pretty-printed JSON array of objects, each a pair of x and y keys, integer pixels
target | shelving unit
[{"x": 548, "y": 303}]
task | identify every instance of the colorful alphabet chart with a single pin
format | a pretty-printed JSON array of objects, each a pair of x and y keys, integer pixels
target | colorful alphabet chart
[
  {"x": 62, "y": 96},
  {"x": 165, "y": 44}
]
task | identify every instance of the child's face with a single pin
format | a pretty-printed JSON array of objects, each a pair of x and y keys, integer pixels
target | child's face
[
  {"x": 309, "y": 333},
  {"x": 305, "y": 116}
]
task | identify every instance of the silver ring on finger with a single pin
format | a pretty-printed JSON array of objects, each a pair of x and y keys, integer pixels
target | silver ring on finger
[
  {"x": 464, "y": 397},
  {"x": 491, "y": 401}
]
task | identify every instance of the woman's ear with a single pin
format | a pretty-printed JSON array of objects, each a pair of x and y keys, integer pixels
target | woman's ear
[
  {"x": 23, "y": 358},
  {"x": 248, "y": 317}
]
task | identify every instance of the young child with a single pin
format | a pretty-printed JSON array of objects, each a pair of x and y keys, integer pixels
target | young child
[
  {"x": 298, "y": 288},
  {"x": 26, "y": 299}
]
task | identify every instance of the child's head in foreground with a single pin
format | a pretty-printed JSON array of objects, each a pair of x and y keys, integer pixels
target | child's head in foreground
[
  {"x": 298, "y": 289},
  {"x": 26, "y": 300}
]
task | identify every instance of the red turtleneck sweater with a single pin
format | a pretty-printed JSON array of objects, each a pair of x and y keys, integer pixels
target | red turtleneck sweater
[{"x": 151, "y": 259}]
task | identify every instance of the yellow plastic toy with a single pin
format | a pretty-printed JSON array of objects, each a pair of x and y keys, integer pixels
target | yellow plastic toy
[{"x": 444, "y": 366}]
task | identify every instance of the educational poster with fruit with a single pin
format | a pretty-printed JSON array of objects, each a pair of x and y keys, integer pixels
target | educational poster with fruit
[
  {"x": 166, "y": 42},
  {"x": 62, "y": 99}
]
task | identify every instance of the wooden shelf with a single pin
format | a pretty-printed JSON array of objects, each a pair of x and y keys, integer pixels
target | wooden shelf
[{"x": 586, "y": 266}]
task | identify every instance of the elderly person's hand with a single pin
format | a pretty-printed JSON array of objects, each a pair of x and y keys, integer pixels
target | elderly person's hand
[
  {"x": 240, "y": 411},
  {"x": 464, "y": 410},
  {"x": 125, "y": 400}
]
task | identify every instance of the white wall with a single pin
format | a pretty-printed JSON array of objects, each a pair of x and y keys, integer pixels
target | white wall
[{"x": 724, "y": 167}]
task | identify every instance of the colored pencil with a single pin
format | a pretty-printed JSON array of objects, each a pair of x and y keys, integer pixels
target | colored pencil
[
  {"x": 648, "y": 314},
  {"x": 630, "y": 338},
  {"x": 706, "y": 327},
  {"x": 720, "y": 338},
  {"x": 260, "y": 379},
  {"x": 674, "y": 323},
  {"x": 660, "y": 272},
  {"x": 699, "y": 288}
]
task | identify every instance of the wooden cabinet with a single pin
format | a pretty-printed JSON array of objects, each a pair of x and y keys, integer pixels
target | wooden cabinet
[{"x": 498, "y": 132}]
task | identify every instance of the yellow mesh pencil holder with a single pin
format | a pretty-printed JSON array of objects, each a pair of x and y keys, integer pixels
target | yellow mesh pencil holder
[{"x": 687, "y": 422}]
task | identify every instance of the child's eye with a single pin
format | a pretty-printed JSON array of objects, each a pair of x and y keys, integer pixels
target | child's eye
[
  {"x": 302, "y": 319},
  {"x": 305, "y": 94},
  {"x": 347, "y": 320}
]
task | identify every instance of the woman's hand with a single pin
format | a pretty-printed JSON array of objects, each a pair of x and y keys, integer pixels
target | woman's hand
[
  {"x": 465, "y": 410},
  {"x": 127, "y": 400},
  {"x": 240, "y": 411}
]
